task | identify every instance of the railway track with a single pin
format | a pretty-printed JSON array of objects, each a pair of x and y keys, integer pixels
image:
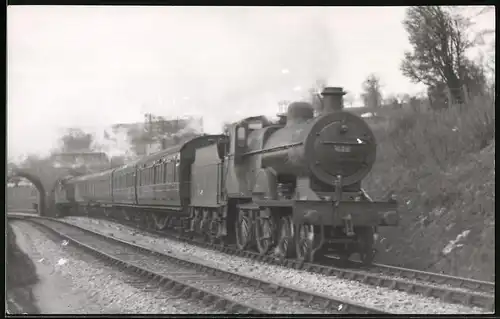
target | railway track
[
  {"x": 479, "y": 286},
  {"x": 447, "y": 288},
  {"x": 191, "y": 279}
]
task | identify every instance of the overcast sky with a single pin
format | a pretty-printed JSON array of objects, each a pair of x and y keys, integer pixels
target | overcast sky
[{"x": 94, "y": 66}]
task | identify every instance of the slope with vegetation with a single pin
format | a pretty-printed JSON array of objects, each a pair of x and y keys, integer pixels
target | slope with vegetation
[
  {"x": 438, "y": 153},
  {"x": 441, "y": 166}
]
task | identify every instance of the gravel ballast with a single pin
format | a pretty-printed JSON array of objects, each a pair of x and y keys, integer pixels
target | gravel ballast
[
  {"x": 73, "y": 282},
  {"x": 236, "y": 291},
  {"x": 379, "y": 298}
]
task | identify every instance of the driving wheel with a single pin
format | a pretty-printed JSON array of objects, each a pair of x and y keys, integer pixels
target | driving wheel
[
  {"x": 286, "y": 245},
  {"x": 305, "y": 242},
  {"x": 265, "y": 234},
  {"x": 243, "y": 231}
]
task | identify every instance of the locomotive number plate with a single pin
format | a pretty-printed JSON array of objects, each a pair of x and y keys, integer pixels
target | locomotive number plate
[{"x": 342, "y": 148}]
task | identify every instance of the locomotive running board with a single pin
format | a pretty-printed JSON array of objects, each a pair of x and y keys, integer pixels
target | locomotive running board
[
  {"x": 176, "y": 208},
  {"x": 258, "y": 204}
]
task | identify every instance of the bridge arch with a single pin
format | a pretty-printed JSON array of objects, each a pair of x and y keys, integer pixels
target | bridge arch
[{"x": 35, "y": 180}]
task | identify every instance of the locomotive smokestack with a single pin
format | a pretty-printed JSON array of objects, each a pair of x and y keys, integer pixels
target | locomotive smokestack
[{"x": 332, "y": 99}]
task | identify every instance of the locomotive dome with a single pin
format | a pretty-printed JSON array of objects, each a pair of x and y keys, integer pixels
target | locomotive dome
[{"x": 299, "y": 112}]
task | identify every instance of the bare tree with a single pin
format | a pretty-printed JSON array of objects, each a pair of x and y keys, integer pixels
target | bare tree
[
  {"x": 440, "y": 40},
  {"x": 372, "y": 96}
]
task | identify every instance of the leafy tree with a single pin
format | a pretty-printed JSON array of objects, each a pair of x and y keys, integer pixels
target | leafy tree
[
  {"x": 372, "y": 96},
  {"x": 440, "y": 39}
]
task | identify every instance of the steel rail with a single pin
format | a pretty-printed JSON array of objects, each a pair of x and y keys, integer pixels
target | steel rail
[
  {"x": 333, "y": 304},
  {"x": 435, "y": 278}
]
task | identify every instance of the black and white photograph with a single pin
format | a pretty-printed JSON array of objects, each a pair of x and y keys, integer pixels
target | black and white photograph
[{"x": 224, "y": 160}]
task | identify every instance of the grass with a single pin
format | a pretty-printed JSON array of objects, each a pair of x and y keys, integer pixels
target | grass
[{"x": 441, "y": 166}]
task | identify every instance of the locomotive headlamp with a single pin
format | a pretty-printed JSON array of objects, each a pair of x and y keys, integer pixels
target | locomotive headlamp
[{"x": 343, "y": 129}]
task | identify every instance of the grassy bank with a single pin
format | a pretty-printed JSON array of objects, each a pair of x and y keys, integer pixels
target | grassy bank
[{"x": 441, "y": 166}]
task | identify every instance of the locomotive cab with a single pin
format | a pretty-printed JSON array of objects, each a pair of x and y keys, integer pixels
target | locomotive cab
[{"x": 240, "y": 133}]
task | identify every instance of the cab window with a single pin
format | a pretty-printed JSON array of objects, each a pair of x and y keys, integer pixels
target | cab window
[{"x": 241, "y": 136}]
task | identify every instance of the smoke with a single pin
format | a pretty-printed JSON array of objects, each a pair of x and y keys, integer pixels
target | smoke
[{"x": 113, "y": 142}]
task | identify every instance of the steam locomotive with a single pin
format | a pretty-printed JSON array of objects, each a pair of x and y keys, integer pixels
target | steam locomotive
[{"x": 291, "y": 188}]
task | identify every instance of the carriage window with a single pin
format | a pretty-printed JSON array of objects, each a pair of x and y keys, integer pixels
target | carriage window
[
  {"x": 165, "y": 171},
  {"x": 159, "y": 174},
  {"x": 169, "y": 176}
]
